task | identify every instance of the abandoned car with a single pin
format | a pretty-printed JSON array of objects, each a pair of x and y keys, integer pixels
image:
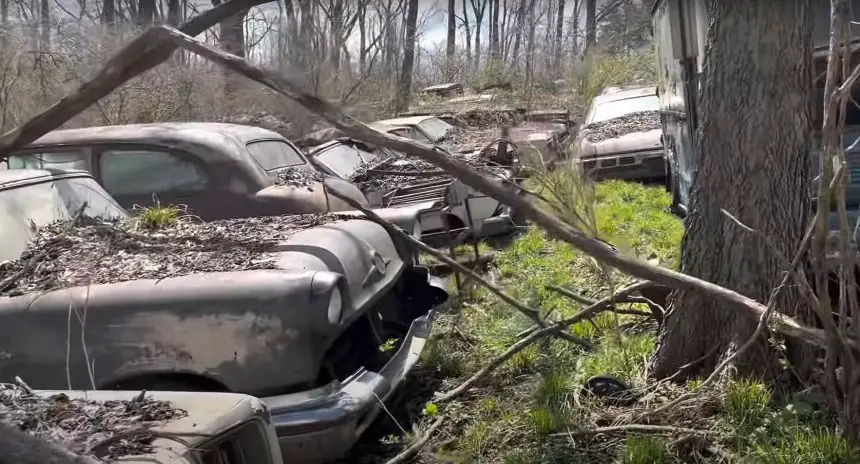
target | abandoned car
[
  {"x": 620, "y": 136},
  {"x": 215, "y": 428},
  {"x": 390, "y": 179},
  {"x": 217, "y": 171},
  {"x": 295, "y": 310}
]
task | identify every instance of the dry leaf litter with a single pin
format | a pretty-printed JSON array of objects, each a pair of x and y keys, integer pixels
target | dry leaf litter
[
  {"x": 613, "y": 128},
  {"x": 98, "y": 429},
  {"x": 92, "y": 251}
]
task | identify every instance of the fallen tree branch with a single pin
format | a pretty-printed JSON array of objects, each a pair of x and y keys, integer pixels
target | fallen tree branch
[
  {"x": 414, "y": 448},
  {"x": 495, "y": 189},
  {"x": 531, "y": 313},
  {"x": 643, "y": 428}
]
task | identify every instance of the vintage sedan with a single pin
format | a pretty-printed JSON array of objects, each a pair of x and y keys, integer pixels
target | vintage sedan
[
  {"x": 391, "y": 180},
  {"x": 218, "y": 171},
  {"x": 211, "y": 428},
  {"x": 620, "y": 137},
  {"x": 294, "y": 310}
]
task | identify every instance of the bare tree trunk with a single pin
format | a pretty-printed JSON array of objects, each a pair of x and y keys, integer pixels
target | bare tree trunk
[
  {"x": 173, "y": 13},
  {"x": 479, "y": 7},
  {"x": 468, "y": 29},
  {"x": 45, "y": 19},
  {"x": 452, "y": 29},
  {"x": 530, "y": 44},
  {"x": 146, "y": 12},
  {"x": 4, "y": 11},
  {"x": 108, "y": 11},
  {"x": 521, "y": 23},
  {"x": 754, "y": 167},
  {"x": 590, "y": 24},
  {"x": 362, "y": 39},
  {"x": 495, "y": 48},
  {"x": 559, "y": 36},
  {"x": 405, "y": 85}
]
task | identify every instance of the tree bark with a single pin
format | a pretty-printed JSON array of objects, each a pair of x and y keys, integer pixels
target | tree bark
[
  {"x": 495, "y": 48},
  {"x": 559, "y": 36},
  {"x": 468, "y": 29},
  {"x": 452, "y": 29},
  {"x": 590, "y": 24},
  {"x": 405, "y": 85},
  {"x": 753, "y": 162},
  {"x": 478, "y": 8}
]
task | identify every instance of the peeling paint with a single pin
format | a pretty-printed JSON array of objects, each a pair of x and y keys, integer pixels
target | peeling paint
[{"x": 203, "y": 343}]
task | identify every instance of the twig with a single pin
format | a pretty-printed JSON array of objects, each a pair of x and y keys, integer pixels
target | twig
[
  {"x": 496, "y": 362},
  {"x": 631, "y": 428},
  {"x": 21, "y": 383},
  {"x": 394, "y": 230},
  {"x": 415, "y": 447}
]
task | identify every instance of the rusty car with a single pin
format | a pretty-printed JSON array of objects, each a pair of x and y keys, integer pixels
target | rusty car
[
  {"x": 390, "y": 179},
  {"x": 184, "y": 427},
  {"x": 216, "y": 170},
  {"x": 294, "y": 310},
  {"x": 620, "y": 137}
]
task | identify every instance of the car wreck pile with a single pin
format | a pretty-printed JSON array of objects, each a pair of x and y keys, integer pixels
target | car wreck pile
[
  {"x": 104, "y": 430},
  {"x": 89, "y": 251}
]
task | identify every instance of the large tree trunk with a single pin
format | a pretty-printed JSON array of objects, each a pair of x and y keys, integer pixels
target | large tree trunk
[
  {"x": 404, "y": 87},
  {"x": 590, "y": 24},
  {"x": 753, "y": 162},
  {"x": 478, "y": 8}
]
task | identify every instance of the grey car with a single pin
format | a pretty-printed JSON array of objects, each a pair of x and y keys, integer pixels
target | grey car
[
  {"x": 620, "y": 137},
  {"x": 301, "y": 324},
  {"x": 218, "y": 171}
]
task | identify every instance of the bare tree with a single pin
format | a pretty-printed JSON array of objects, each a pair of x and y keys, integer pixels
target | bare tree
[
  {"x": 405, "y": 83},
  {"x": 739, "y": 158},
  {"x": 479, "y": 7},
  {"x": 452, "y": 29}
]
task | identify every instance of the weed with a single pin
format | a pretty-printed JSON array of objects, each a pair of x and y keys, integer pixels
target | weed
[
  {"x": 747, "y": 403},
  {"x": 157, "y": 217},
  {"x": 640, "y": 449}
]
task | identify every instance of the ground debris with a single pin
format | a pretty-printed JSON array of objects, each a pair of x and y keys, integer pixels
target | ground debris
[
  {"x": 92, "y": 251},
  {"x": 635, "y": 122},
  {"x": 99, "y": 429},
  {"x": 297, "y": 177}
]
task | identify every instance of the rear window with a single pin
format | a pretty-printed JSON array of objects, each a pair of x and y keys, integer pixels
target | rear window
[
  {"x": 53, "y": 160},
  {"x": 275, "y": 154}
]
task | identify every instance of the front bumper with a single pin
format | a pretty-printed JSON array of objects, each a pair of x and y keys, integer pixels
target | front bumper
[
  {"x": 320, "y": 425},
  {"x": 630, "y": 166}
]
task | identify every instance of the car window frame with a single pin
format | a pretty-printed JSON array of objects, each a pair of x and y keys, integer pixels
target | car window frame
[
  {"x": 86, "y": 149},
  {"x": 99, "y": 152},
  {"x": 274, "y": 139}
]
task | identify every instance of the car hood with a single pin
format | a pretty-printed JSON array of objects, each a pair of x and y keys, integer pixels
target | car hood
[
  {"x": 296, "y": 299},
  {"x": 207, "y": 417},
  {"x": 312, "y": 198},
  {"x": 632, "y": 142}
]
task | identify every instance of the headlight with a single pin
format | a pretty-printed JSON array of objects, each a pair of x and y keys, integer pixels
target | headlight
[
  {"x": 325, "y": 284},
  {"x": 335, "y": 306}
]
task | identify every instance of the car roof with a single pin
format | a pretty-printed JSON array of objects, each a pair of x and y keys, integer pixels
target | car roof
[
  {"x": 12, "y": 177},
  {"x": 208, "y": 134},
  {"x": 615, "y": 93}
]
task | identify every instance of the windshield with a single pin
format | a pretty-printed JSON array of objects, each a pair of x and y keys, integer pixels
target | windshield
[
  {"x": 615, "y": 109},
  {"x": 435, "y": 128},
  {"x": 275, "y": 154},
  {"x": 343, "y": 160},
  {"x": 39, "y": 204},
  {"x": 56, "y": 160}
]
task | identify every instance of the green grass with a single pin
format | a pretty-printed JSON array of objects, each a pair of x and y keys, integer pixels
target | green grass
[
  {"x": 157, "y": 217},
  {"x": 521, "y": 412}
]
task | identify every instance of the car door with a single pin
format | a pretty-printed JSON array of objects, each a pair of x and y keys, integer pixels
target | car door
[{"x": 140, "y": 176}]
